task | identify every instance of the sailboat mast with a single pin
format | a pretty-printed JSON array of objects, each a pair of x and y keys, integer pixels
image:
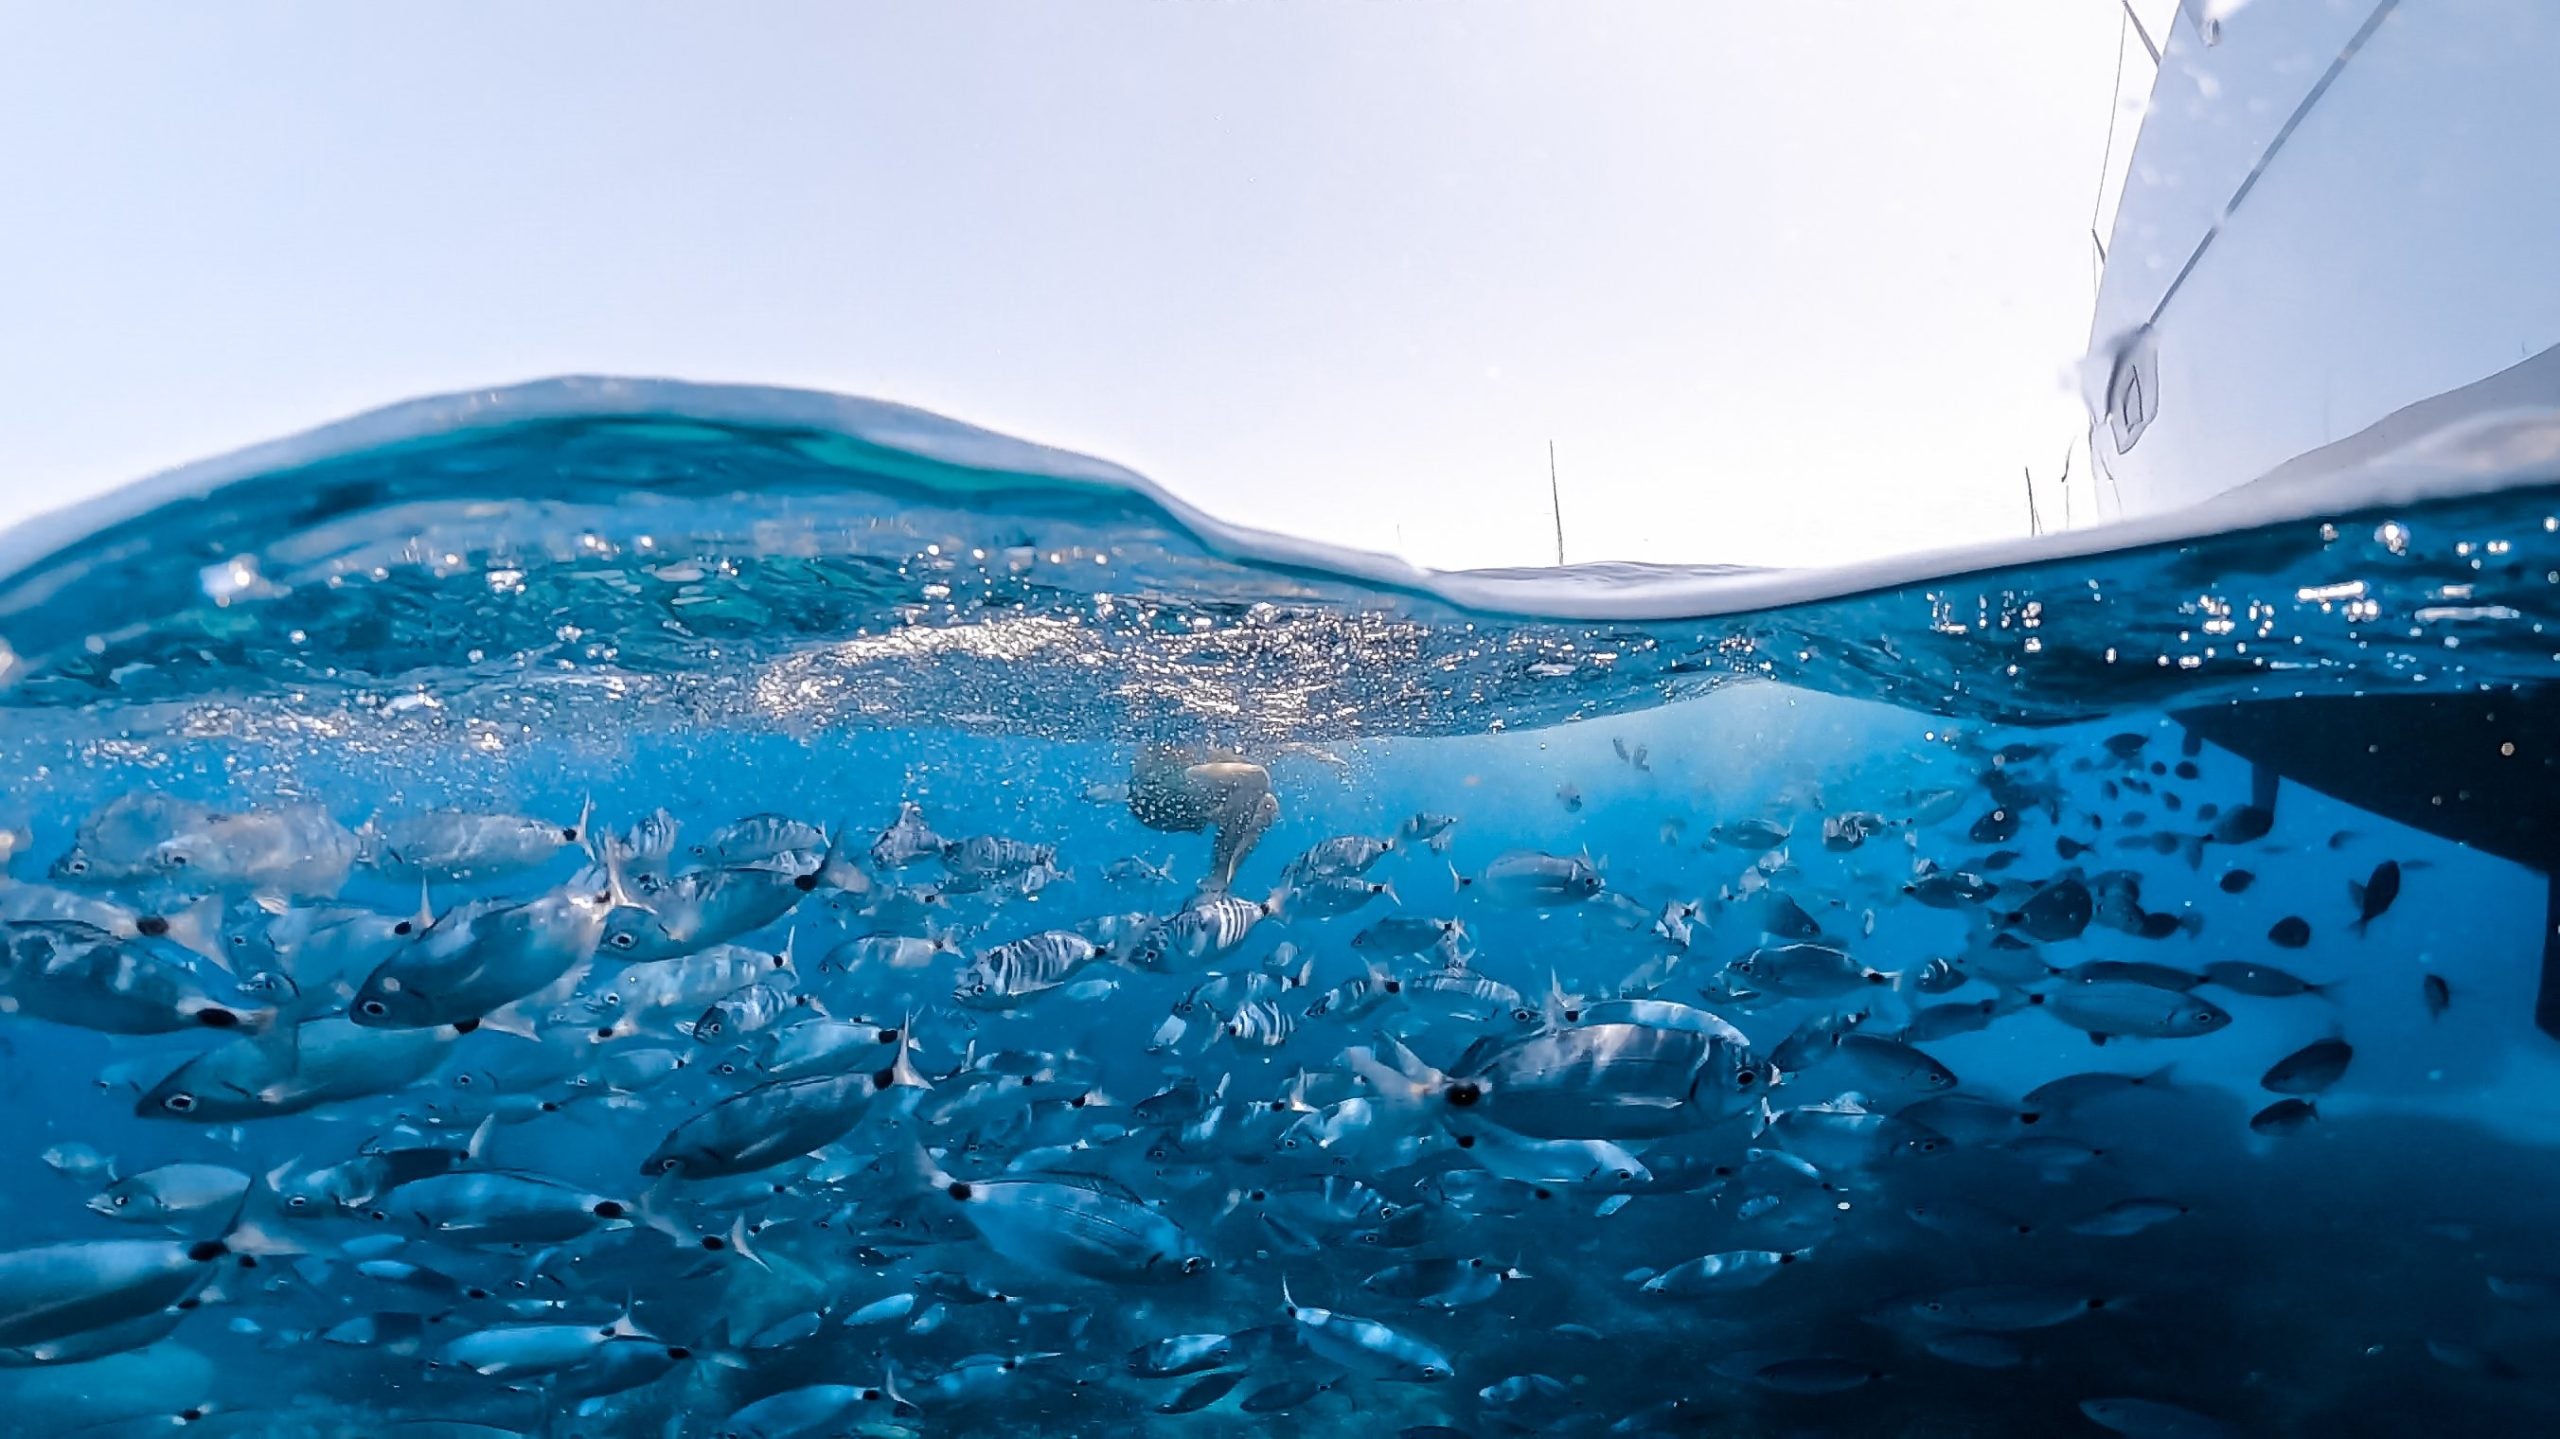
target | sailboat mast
[{"x": 1555, "y": 498}]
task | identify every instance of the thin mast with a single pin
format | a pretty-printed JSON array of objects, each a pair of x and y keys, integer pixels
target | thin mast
[{"x": 1555, "y": 497}]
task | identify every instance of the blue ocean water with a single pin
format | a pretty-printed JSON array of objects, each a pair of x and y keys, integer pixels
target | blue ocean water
[{"x": 2255, "y": 818}]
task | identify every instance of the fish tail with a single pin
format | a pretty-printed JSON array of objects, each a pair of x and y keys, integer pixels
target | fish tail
[{"x": 653, "y": 1209}]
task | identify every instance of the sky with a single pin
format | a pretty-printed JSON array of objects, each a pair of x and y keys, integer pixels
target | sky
[{"x": 1784, "y": 284}]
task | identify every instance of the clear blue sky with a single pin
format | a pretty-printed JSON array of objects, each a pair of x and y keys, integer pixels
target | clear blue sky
[{"x": 1783, "y": 282}]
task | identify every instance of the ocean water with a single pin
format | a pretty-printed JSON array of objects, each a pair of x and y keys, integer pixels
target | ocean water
[{"x": 1771, "y": 910}]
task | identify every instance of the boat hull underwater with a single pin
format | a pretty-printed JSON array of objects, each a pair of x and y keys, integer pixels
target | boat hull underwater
[{"x": 2314, "y": 261}]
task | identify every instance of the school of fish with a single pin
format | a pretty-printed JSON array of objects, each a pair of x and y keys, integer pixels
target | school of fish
[{"x": 815, "y": 1125}]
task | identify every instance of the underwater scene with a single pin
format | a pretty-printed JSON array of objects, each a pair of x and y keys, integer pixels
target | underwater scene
[{"x": 608, "y": 910}]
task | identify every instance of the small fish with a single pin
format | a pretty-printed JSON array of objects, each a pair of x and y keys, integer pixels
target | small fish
[
  {"x": 1202, "y": 1392},
  {"x": 2236, "y": 881},
  {"x": 1532, "y": 879},
  {"x": 2154, "y": 1419},
  {"x": 1999, "y": 826},
  {"x": 2309, "y": 1070},
  {"x": 1748, "y": 834},
  {"x": 173, "y": 1194},
  {"x": 2471, "y": 1359},
  {"x": 2059, "y": 911},
  {"x": 1329, "y": 896},
  {"x": 1137, "y": 869},
  {"x": 2129, "y": 1216},
  {"x": 80, "y": 1162},
  {"x": 2133, "y": 971},
  {"x": 1183, "y": 1354},
  {"x": 1720, "y": 1273},
  {"x": 1011, "y": 973},
  {"x": 2285, "y": 1116},
  {"x": 2007, "y": 1308},
  {"x": 1399, "y": 935},
  {"x": 1892, "y": 1064},
  {"x": 1428, "y": 829},
  {"x": 1806, "y": 971},
  {"x": 1365, "y": 1346},
  {"x": 1442, "y": 1283},
  {"x": 908, "y": 839},
  {"x": 1088, "y": 1227},
  {"x": 479, "y": 957},
  {"x": 2290, "y": 932},
  {"x": 2263, "y": 981},
  {"x": 761, "y": 839},
  {"x": 459, "y": 846},
  {"x": 1951, "y": 889},
  {"x": 2062, "y": 1096},
  {"x": 1815, "y": 1374},
  {"x": 1341, "y": 855},
  {"x": 2116, "y": 1009},
  {"x": 2373, "y": 897},
  {"x": 2438, "y": 994}
]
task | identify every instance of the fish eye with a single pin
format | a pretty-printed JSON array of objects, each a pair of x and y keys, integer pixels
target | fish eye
[
  {"x": 1257, "y": 1196},
  {"x": 1195, "y": 1264},
  {"x": 121, "y": 1200},
  {"x": 1434, "y": 1371},
  {"x": 1625, "y": 1174},
  {"x": 624, "y": 940},
  {"x": 297, "y": 1201},
  {"x": 569, "y": 834},
  {"x": 375, "y": 1008},
  {"x": 178, "y": 861},
  {"x": 403, "y": 927},
  {"x": 1573, "y": 1016},
  {"x": 179, "y": 1103},
  {"x": 1522, "y": 1015},
  {"x": 77, "y": 866},
  {"x": 1746, "y": 1078}
]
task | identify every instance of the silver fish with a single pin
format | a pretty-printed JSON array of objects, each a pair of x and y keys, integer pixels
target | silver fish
[
  {"x": 1534, "y": 879},
  {"x": 82, "y": 976},
  {"x": 478, "y": 958},
  {"x": 1089, "y": 1227},
  {"x": 777, "y": 1121},
  {"x": 462, "y": 845},
  {"x": 1010, "y": 973},
  {"x": 701, "y": 908},
  {"x": 173, "y": 1194},
  {"x": 908, "y": 839},
  {"x": 1365, "y": 1346}
]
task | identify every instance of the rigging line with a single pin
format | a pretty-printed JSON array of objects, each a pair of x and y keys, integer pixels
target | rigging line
[
  {"x": 2107, "y": 156},
  {"x": 2145, "y": 34}
]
